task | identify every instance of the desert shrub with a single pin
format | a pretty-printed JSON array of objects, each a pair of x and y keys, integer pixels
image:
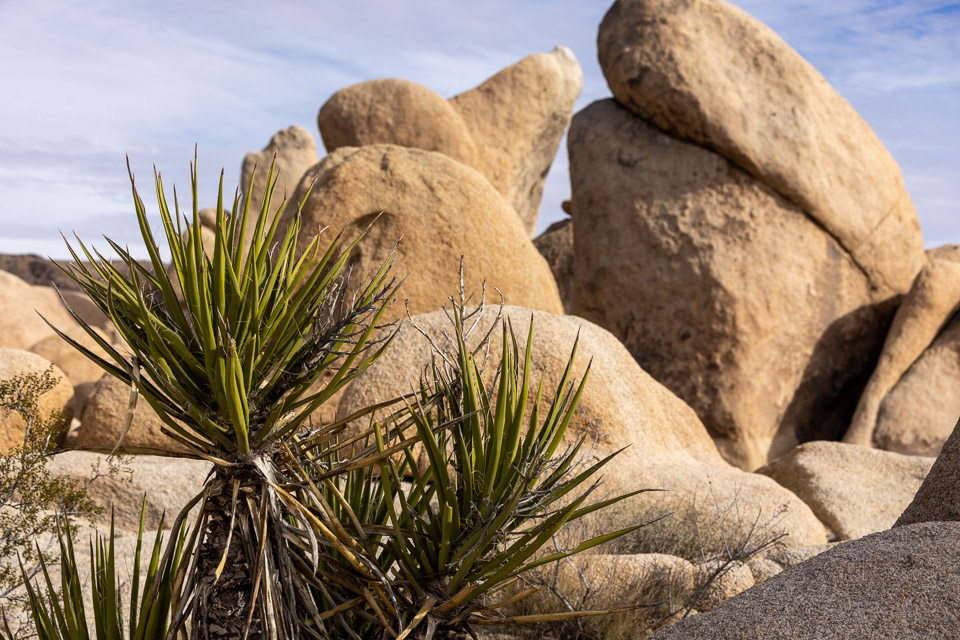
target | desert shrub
[{"x": 32, "y": 500}]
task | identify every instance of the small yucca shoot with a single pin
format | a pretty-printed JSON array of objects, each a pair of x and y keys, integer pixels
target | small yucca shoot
[{"x": 62, "y": 615}]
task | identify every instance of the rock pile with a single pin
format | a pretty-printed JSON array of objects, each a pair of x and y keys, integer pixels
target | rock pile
[
  {"x": 742, "y": 264},
  {"x": 737, "y": 225}
]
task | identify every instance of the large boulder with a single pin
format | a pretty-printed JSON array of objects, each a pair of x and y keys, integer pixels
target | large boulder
[
  {"x": 854, "y": 490},
  {"x": 705, "y": 71},
  {"x": 394, "y": 111},
  {"x": 58, "y": 400},
  {"x": 508, "y": 128},
  {"x": 21, "y": 308},
  {"x": 917, "y": 415},
  {"x": 104, "y": 417},
  {"x": 938, "y": 498},
  {"x": 295, "y": 151},
  {"x": 441, "y": 209},
  {"x": 899, "y": 583},
  {"x": 162, "y": 486},
  {"x": 932, "y": 300},
  {"x": 622, "y": 406},
  {"x": 723, "y": 290},
  {"x": 85, "y": 308},
  {"x": 556, "y": 246},
  {"x": 517, "y": 119}
]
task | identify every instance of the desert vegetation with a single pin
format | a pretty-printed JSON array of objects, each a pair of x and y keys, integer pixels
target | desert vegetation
[{"x": 293, "y": 533}]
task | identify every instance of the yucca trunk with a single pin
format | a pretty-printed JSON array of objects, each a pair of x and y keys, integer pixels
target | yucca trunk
[{"x": 225, "y": 602}]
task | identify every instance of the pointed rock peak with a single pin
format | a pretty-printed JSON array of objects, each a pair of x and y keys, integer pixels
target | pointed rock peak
[
  {"x": 517, "y": 118},
  {"x": 296, "y": 151}
]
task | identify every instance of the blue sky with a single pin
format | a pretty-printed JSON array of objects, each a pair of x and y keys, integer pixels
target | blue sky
[{"x": 86, "y": 81}]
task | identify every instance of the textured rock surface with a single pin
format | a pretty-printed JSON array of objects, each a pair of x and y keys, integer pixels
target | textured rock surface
[
  {"x": 706, "y": 71},
  {"x": 900, "y": 583},
  {"x": 763, "y": 568},
  {"x": 854, "y": 490},
  {"x": 393, "y": 111},
  {"x": 932, "y": 300},
  {"x": 21, "y": 306},
  {"x": 917, "y": 416},
  {"x": 791, "y": 556},
  {"x": 296, "y": 152},
  {"x": 442, "y": 209},
  {"x": 105, "y": 414},
  {"x": 517, "y": 119},
  {"x": 668, "y": 446},
  {"x": 734, "y": 579},
  {"x": 724, "y": 291},
  {"x": 167, "y": 484},
  {"x": 938, "y": 498},
  {"x": 15, "y": 362},
  {"x": 556, "y": 246}
]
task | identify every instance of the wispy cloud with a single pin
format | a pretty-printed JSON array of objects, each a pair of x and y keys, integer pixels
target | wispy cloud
[{"x": 87, "y": 81}]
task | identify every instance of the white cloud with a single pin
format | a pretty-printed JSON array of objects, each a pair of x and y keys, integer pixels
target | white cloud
[{"x": 88, "y": 81}]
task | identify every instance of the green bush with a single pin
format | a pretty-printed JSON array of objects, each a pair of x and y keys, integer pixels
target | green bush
[{"x": 32, "y": 500}]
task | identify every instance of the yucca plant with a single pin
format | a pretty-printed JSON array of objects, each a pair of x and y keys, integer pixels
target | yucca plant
[
  {"x": 62, "y": 615},
  {"x": 293, "y": 535},
  {"x": 235, "y": 351},
  {"x": 455, "y": 535}
]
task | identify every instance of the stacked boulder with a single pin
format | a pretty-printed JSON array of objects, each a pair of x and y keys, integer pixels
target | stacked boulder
[
  {"x": 736, "y": 224},
  {"x": 740, "y": 242},
  {"x": 508, "y": 128},
  {"x": 446, "y": 178}
]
